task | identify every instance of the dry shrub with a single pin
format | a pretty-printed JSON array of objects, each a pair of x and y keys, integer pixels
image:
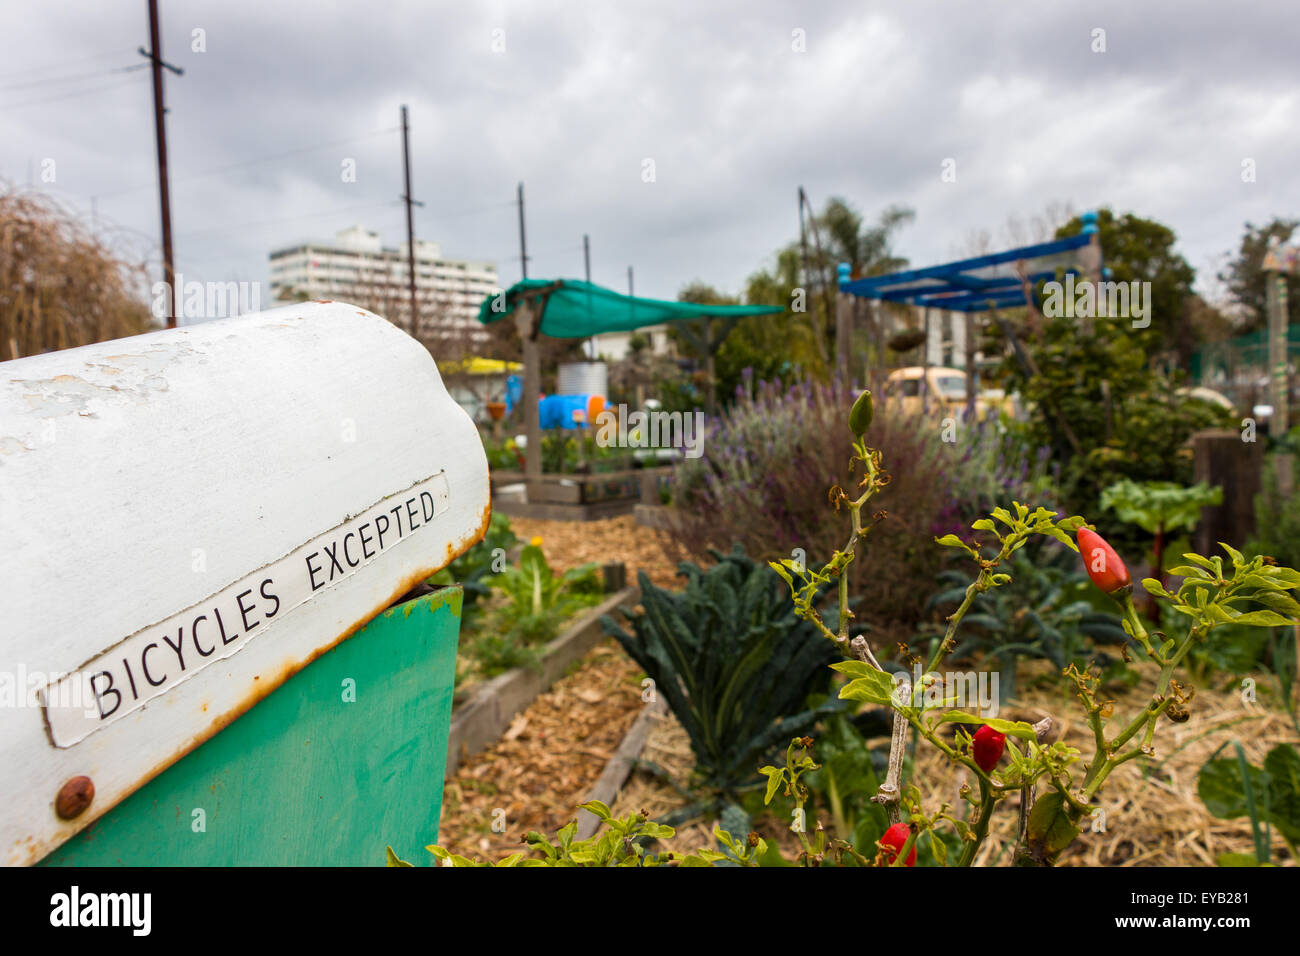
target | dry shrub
[
  {"x": 60, "y": 286},
  {"x": 770, "y": 460}
]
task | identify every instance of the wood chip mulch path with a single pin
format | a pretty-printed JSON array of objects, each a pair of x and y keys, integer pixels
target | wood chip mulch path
[
  {"x": 547, "y": 761},
  {"x": 571, "y": 543}
]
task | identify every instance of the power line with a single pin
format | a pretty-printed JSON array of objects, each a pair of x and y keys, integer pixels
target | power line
[
  {"x": 279, "y": 222},
  {"x": 54, "y": 67},
  {"x": 462, "y": 213},
  {"x": 257, "y": 160},
  {"x": 66, "y": 96},
  {"x": 71, "y": 78}
]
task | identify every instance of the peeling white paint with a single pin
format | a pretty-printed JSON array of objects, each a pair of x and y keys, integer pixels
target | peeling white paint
[{"x": 139, "y": 478}]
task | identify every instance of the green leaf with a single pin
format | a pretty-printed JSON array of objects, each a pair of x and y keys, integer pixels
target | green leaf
[
  {"x": 1219, "y": 785},
  {"x": 1237, "y": 559},
  {"x": 1061, "y": 536},
  {"x": 775, "y": 776},
  {"x": 599, "y": 809},
  {"x": 394, "y": 859},
  {"x": 1050, "y": 829},
  {"x": 566, "y": 833},
  {"x": 985, "y": 524},
  {"x": 938, "y": 848},
  {"x": 952, "y": 541},
  {"x": 1287, "y": 577},
  {"x": 1014, "y": 728},
  {"x": 1262, "y": 619},
  {"x": 1156, "y": 588},
  {"x": 875, "y": 687},
  {"x": 855, "y": 668},
  {"x": 1237, "y": 859}
]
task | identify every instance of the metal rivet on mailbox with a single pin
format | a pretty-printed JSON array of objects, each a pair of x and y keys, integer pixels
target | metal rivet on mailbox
[{"x": 74, "y": 797}]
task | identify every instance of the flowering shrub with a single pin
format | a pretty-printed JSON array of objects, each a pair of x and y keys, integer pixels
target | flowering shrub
[{"x": 761, "y": 483}]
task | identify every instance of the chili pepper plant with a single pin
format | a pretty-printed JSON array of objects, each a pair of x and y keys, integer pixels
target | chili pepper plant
[{"x": 1058, "y": 784}]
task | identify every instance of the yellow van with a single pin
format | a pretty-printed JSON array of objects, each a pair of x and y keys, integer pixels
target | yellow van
[{"x": 946, "y": 388}]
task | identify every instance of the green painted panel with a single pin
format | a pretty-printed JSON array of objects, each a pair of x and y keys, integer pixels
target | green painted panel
[{"x": 306, "y": 777}]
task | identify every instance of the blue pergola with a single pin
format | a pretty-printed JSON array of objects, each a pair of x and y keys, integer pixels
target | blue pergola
[{"x": 979, "y": 283}]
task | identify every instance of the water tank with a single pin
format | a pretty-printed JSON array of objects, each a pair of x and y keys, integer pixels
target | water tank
[{"x": 583, "y": 378}]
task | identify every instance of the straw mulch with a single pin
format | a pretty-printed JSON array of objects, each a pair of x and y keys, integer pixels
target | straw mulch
[
  {"x": 547, "y": 761},
  {"x": 1152, "y": 819}
]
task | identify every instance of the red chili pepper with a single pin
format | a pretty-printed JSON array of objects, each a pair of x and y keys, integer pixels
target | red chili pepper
[
  {"x": 987, "y": 746},
  {"x": 895, "y": 838},
  {"x": 1102, "y": 563}
]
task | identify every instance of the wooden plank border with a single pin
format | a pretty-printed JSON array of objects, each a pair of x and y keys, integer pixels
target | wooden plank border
[
  {"x": 620, "y": 765},
  {"x": 482, "y": 719}
]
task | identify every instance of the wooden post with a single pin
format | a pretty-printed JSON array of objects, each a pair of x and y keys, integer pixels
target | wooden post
[
  {"x": 1223, "y": 459},
  {"x": 843, "y": 327},
  {"x": 1275, "y": 286},
  {"x": 968, "y": 335},
  {"x": 528, "y": 329},
  {"x": 1090, "y": 262},
  {"x": 925, "y": 365},
  {"x": 878, "y": 316}
]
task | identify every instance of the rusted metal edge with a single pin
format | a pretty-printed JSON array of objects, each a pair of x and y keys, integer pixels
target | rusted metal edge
[{"x": 39, "y": 850}]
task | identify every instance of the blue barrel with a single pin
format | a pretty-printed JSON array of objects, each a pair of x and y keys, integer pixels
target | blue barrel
[{"x": 558, "y": 411}]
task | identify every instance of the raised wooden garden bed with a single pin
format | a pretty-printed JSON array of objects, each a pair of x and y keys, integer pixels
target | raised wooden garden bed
[
  {"x": 577, "y": 497},
  {"x": 486, "y": 715}
]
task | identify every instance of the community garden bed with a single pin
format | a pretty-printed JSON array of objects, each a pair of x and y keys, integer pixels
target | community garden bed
[{"x": 1157, "y": 817}]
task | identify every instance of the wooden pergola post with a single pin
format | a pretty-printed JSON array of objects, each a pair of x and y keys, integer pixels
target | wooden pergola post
[
  {"x": 843, "y": 327},
  {"x": 968, "y": 340},
  {"x": 1278, "y": 366},
  {"x": 528, "y": 322},
  {"x": 1090, "y": 260}
]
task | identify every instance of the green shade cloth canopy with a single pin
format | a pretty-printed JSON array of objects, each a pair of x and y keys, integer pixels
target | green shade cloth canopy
[{"x": 575, "y": 309}]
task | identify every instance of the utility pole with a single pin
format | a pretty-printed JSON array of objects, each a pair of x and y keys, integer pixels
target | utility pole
[
  {"x": 410, "y": 225},
  {"x": 523, "y": 244},
  {"x": 590, "y": 345},
  {"x": 629, "y": 280},
  {"x": 818, "y": 326},
  {"x": 154, "y": 55},
  {"x": 1278, "y": 263}
]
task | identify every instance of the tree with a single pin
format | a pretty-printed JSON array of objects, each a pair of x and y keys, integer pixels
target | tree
[
  {"x": 1244, "y": 276},
  {"x": 805, "y": 333},
  {"x": 865, "y": 248},
  {"x": 1137, "y": 249},
  {"x": 61, "y": 286}
]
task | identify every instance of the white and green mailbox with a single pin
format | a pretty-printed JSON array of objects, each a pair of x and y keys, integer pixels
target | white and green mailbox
[{"x": 205, "y": 531}]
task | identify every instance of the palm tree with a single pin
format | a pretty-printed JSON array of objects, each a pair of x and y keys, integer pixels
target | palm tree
[{"x": 865, "y": 249}]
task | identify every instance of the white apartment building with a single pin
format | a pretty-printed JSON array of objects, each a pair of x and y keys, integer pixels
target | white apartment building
[{"x": 356, "y": 267}]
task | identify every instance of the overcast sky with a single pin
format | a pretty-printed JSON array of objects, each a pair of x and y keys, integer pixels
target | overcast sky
[{"x": 719, "y": 96}]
